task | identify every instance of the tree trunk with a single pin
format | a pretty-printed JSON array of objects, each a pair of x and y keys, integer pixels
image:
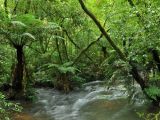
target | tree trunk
[
  {"x": 58, "y": 50},
  {"x": 105, "y": 53},
  {"x": 63, "y": 82},
  {"x": 155, "y": 56},
  {"x": 65, "y": 52},
  {"x": 18, "y": 74}
]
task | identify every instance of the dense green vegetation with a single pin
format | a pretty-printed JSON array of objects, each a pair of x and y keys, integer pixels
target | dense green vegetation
[{"x": 65, "y": 43}]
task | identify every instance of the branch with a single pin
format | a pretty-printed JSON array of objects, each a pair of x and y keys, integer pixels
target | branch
[
  {"x": 133, "y": 5},
  {"x": 92, "y": 43},
  {"x": 72, "y": 41},
  {"x": 84, "y": 50},
  {"x": 108, "y": 38}
]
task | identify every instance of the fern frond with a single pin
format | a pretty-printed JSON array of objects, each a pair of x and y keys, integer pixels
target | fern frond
[
  {"x": 18, "y": 23},
  {"x": 28, "y": 35}
]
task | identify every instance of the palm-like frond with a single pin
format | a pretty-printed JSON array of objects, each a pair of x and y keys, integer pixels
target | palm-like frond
[
  {"x": 28, "y": 36},
  {"x": 3, "y": 32},
  {"x": 18, "y": 23},
  {"x": 25, "y": 37}
]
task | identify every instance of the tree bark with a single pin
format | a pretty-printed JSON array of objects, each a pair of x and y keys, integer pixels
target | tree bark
[
  {"x": 60, "y": 57},
  {"x": 17, "y": 83},
  {"x": 65, "y": 52},
  {"x": 155, "y": 56},
  {"x": 137, "y": 76}
]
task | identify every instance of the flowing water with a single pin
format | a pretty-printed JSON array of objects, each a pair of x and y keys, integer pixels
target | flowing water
[{"x": 93, "y": 102}]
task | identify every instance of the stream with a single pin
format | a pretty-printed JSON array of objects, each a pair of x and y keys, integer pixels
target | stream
[{"x": 94, "y": 102}]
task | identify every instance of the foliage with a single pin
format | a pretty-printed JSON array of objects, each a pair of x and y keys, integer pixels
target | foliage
[
  {"x": 149, "y": 116},
  {"x": 64, "y": 68},
  {"x": 153, "y": 92},
  {"x": 6, "y": 108},
  {"x": 78, "y": 81},
  {"x": 5, "y": 63}
]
